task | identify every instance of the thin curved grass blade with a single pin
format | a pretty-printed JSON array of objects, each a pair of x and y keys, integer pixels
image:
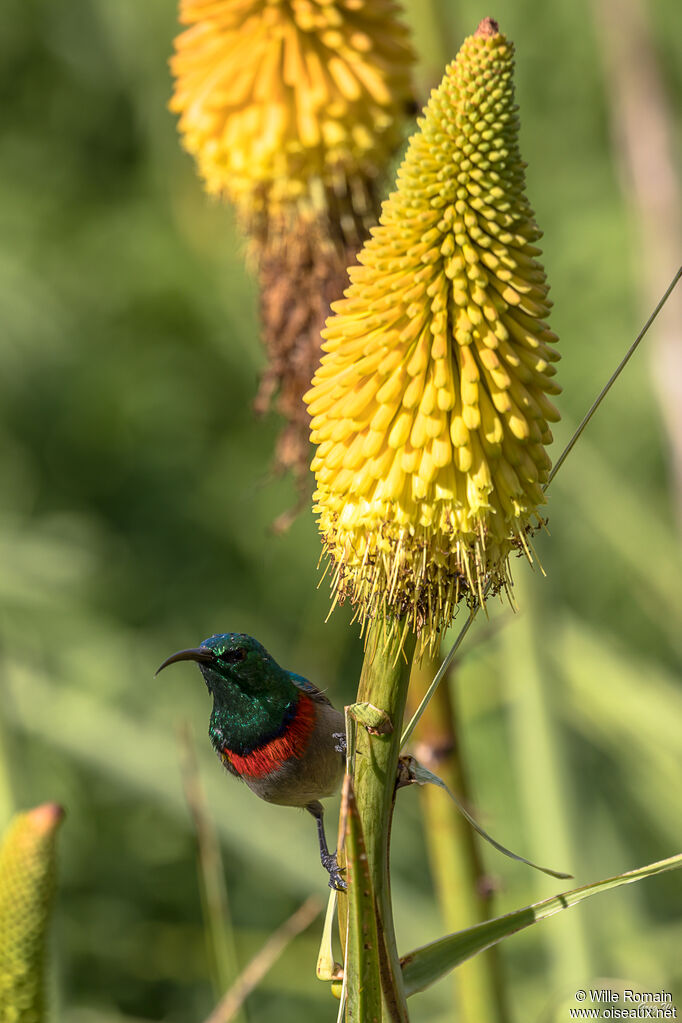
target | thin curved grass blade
[{"x": 422, "y": 776}]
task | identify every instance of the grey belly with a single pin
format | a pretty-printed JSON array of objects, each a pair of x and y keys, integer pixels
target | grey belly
[{"x": 315, "y": 775}]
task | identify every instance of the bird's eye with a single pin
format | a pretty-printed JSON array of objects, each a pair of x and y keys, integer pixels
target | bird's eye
[{"x": 233, "y": 656}]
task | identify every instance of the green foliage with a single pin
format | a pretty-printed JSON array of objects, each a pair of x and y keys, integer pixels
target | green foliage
[{"x": 134, "y": 519}]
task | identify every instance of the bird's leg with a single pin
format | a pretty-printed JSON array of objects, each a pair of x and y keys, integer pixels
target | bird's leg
[{"x": 328, "y": 859}]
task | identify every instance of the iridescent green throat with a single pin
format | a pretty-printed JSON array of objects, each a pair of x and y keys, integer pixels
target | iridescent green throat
[{"x": 242, "y": 721}]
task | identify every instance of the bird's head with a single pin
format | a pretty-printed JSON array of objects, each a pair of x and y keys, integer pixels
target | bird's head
[{"x": 231, "y": 659}]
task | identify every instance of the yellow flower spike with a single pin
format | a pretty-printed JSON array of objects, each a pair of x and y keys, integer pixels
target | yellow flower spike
[
  {"x": 27, "y": 870},
  {"x": 292, "y": 110},
  {"x": 448, "y": 456},
  {"x": 283, "y": 101}
]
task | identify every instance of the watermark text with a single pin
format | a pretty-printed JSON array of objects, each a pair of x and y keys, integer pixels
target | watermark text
[{"x": 603, "y": 1003}]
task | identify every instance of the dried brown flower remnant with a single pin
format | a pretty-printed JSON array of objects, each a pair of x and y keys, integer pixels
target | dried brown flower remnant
[{"x": 299, "y": 279}]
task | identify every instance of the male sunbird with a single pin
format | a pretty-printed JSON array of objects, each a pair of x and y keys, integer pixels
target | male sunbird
[{"x": 272, "y": 728}]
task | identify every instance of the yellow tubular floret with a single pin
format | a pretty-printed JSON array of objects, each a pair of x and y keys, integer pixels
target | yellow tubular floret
[
  {"x": 438, "y": 366},
  {"x": 290, "y": 97}
]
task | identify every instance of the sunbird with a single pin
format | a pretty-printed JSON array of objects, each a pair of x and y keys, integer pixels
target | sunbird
[{"x": 272, "y": 728}]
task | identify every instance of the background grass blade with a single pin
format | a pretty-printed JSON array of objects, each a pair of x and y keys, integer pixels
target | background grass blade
[
  {"x": 220, "y": 939},
  {"x": 550, "y": 816},
  {"x": 463, "y": 892},
  {"x": 228, "y": 1009}
]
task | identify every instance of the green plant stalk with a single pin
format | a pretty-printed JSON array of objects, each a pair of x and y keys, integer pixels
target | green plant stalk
[
  {"x": 383, "y": 683},
  {"x": 536, "y": 757},
  {"x": 441, "y": 673},
  {"x": 454, "y": 854},
  {"x": 363, "y": 931}
]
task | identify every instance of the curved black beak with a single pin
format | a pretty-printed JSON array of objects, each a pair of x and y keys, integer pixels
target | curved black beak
[{"x": 201, "y": 653}]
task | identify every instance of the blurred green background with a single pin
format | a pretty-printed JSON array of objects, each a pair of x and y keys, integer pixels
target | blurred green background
[{"x": 135, "y": 513}]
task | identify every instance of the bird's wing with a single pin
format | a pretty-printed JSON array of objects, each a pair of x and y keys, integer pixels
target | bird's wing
[{"x": 313, "y": 692}]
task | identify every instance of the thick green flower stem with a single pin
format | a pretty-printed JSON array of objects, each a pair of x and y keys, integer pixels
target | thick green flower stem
[
  {"x": 456, "y": 864},
  {"x": 383, "y": 683}
]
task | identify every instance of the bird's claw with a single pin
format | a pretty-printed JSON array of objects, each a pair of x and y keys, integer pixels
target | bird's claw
[
  {"x": 336, "y": 880},
  {"x": 340, "y": 745}
]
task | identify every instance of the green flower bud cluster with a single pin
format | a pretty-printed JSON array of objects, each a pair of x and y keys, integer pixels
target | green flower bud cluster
[{"x": 27, "y": 882}]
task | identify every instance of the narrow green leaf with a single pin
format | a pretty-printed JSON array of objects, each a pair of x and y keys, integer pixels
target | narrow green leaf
[
  {"x": 326, "y": 964},
  {"x": 218, "y": 925},
  {"x": 422, "y": 776},
  {"x": 428, "y": 964}
]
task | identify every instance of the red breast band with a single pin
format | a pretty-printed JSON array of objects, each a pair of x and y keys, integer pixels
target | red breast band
[{"x": 291, "y": 744}]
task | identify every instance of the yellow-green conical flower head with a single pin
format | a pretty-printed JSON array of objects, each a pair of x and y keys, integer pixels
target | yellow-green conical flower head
[
  {"x": 27, "y": 878},
  {"x": 430, "y": 409}
]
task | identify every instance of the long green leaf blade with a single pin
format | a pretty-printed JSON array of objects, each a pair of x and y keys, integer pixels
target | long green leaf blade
[{"x": 428, "y": 964}]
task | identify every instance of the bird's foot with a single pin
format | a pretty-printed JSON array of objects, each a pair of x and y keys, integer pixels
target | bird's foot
[
  {"x": 340, "y": 745},
  {"x": 336, "y": 880}
]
